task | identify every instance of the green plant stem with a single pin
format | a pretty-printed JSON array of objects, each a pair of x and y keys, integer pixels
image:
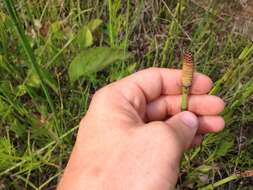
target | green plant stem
[
  {"x": 110, "y": 23},
  {"x": 184, "y": 98},
  {"x": 14, "y": 17},
  {"x": 221, "y": 182}
]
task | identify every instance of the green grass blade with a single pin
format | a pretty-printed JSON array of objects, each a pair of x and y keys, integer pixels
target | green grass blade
[
  {"x": 29, "y": 53},
  {"x": 40, "y": 150},
  {"x": 112, "y": 43}
]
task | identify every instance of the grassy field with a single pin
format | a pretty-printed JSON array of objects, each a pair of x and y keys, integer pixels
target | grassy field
[{"x": 55, "y": 54}]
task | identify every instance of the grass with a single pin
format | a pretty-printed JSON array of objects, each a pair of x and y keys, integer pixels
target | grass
[{"x": 40, "y": 107}]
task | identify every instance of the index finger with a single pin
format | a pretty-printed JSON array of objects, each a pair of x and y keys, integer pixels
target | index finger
[{"x": 154, "y": 82}]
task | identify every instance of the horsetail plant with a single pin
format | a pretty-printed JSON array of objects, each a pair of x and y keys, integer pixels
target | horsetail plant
[{"x": 187, "y": 75}]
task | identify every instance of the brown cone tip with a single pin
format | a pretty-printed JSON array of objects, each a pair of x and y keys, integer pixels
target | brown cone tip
[{"x": 188, "y": 69}]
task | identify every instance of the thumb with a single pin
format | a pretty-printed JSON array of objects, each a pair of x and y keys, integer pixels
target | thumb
[{"x": 185, "y": 126}]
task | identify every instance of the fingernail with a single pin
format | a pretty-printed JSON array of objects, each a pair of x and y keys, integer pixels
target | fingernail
[{"x": 190, "y": 119}]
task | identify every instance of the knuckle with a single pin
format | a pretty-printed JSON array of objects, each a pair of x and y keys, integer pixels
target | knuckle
[
  {"x": 102, "y": 94},
  {"x": 104, "y": 97},
  {"x": 149, "y": 70},
  {"x": 153, "y": 69}
]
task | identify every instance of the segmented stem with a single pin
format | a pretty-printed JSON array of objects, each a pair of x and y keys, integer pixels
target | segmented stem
[{"x": 185, "y": 98}]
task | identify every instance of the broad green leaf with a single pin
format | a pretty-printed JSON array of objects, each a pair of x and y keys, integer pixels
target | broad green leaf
[
  {"x": 93, "y": 60},
  {"x": 84, "y": 38},
  {"x": 94, "y": 24}
]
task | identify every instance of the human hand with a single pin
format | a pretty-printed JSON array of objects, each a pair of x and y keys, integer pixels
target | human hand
[{"x": 134, "y": 133}]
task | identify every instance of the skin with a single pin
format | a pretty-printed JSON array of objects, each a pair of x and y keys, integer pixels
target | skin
[{"x": 134, "y": 133}]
